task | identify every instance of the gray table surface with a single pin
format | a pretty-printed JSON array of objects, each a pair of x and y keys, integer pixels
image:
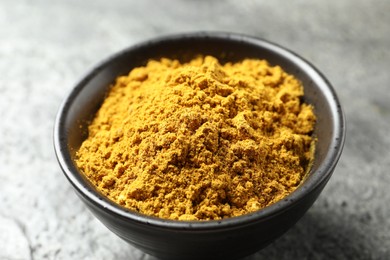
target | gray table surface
[{"x": 46, "y": 46}]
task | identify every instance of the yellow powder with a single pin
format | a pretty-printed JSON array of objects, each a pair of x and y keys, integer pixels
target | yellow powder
[{"x": 200, "y": 141}]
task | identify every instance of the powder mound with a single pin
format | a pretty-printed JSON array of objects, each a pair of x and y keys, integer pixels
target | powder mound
[{"x": 200, "y": 140}]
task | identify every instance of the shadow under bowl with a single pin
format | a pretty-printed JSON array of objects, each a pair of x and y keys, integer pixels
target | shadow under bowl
[{"x": 224, "y": 239}]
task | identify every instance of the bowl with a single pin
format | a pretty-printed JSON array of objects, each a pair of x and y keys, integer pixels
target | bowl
[{"x": 229, "y": 238}]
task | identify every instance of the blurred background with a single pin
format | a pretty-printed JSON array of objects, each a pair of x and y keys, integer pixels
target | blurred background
[{"x": 46, "y": 46}]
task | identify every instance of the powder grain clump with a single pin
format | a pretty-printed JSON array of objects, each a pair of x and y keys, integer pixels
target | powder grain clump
[{"x": 200, "y": 140}]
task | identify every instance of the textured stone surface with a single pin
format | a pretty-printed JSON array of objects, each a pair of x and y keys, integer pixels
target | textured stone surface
[{"x": 46, "y": 46}]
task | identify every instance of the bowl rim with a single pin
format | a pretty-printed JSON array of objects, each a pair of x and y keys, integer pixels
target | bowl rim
[{"x": 323, "y": 173}]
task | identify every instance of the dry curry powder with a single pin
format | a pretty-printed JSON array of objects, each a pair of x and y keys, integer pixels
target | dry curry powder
[{"x": 200, "y": 140}]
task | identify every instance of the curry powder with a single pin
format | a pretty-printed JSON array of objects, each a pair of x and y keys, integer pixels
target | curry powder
[{"x": 200, "y": 140}]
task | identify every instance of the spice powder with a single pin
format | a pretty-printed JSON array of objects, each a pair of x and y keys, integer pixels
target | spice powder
[{"x": 200, "y": 140}]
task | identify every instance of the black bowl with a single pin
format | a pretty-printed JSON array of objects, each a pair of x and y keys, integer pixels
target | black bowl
[{"x": 228, "y": 238}]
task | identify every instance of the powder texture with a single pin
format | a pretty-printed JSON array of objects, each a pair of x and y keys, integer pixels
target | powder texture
[{"x": 200, "y": 140}]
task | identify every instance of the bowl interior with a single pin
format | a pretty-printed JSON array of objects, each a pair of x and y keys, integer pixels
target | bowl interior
[{"x": 83, "y": 102}]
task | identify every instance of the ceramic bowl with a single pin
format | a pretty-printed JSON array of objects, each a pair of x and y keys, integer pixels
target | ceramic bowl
[{"x": 224, "y": 239}]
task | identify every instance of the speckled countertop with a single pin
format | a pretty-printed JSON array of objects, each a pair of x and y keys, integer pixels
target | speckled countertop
[{"x": 46, "y": 46}]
